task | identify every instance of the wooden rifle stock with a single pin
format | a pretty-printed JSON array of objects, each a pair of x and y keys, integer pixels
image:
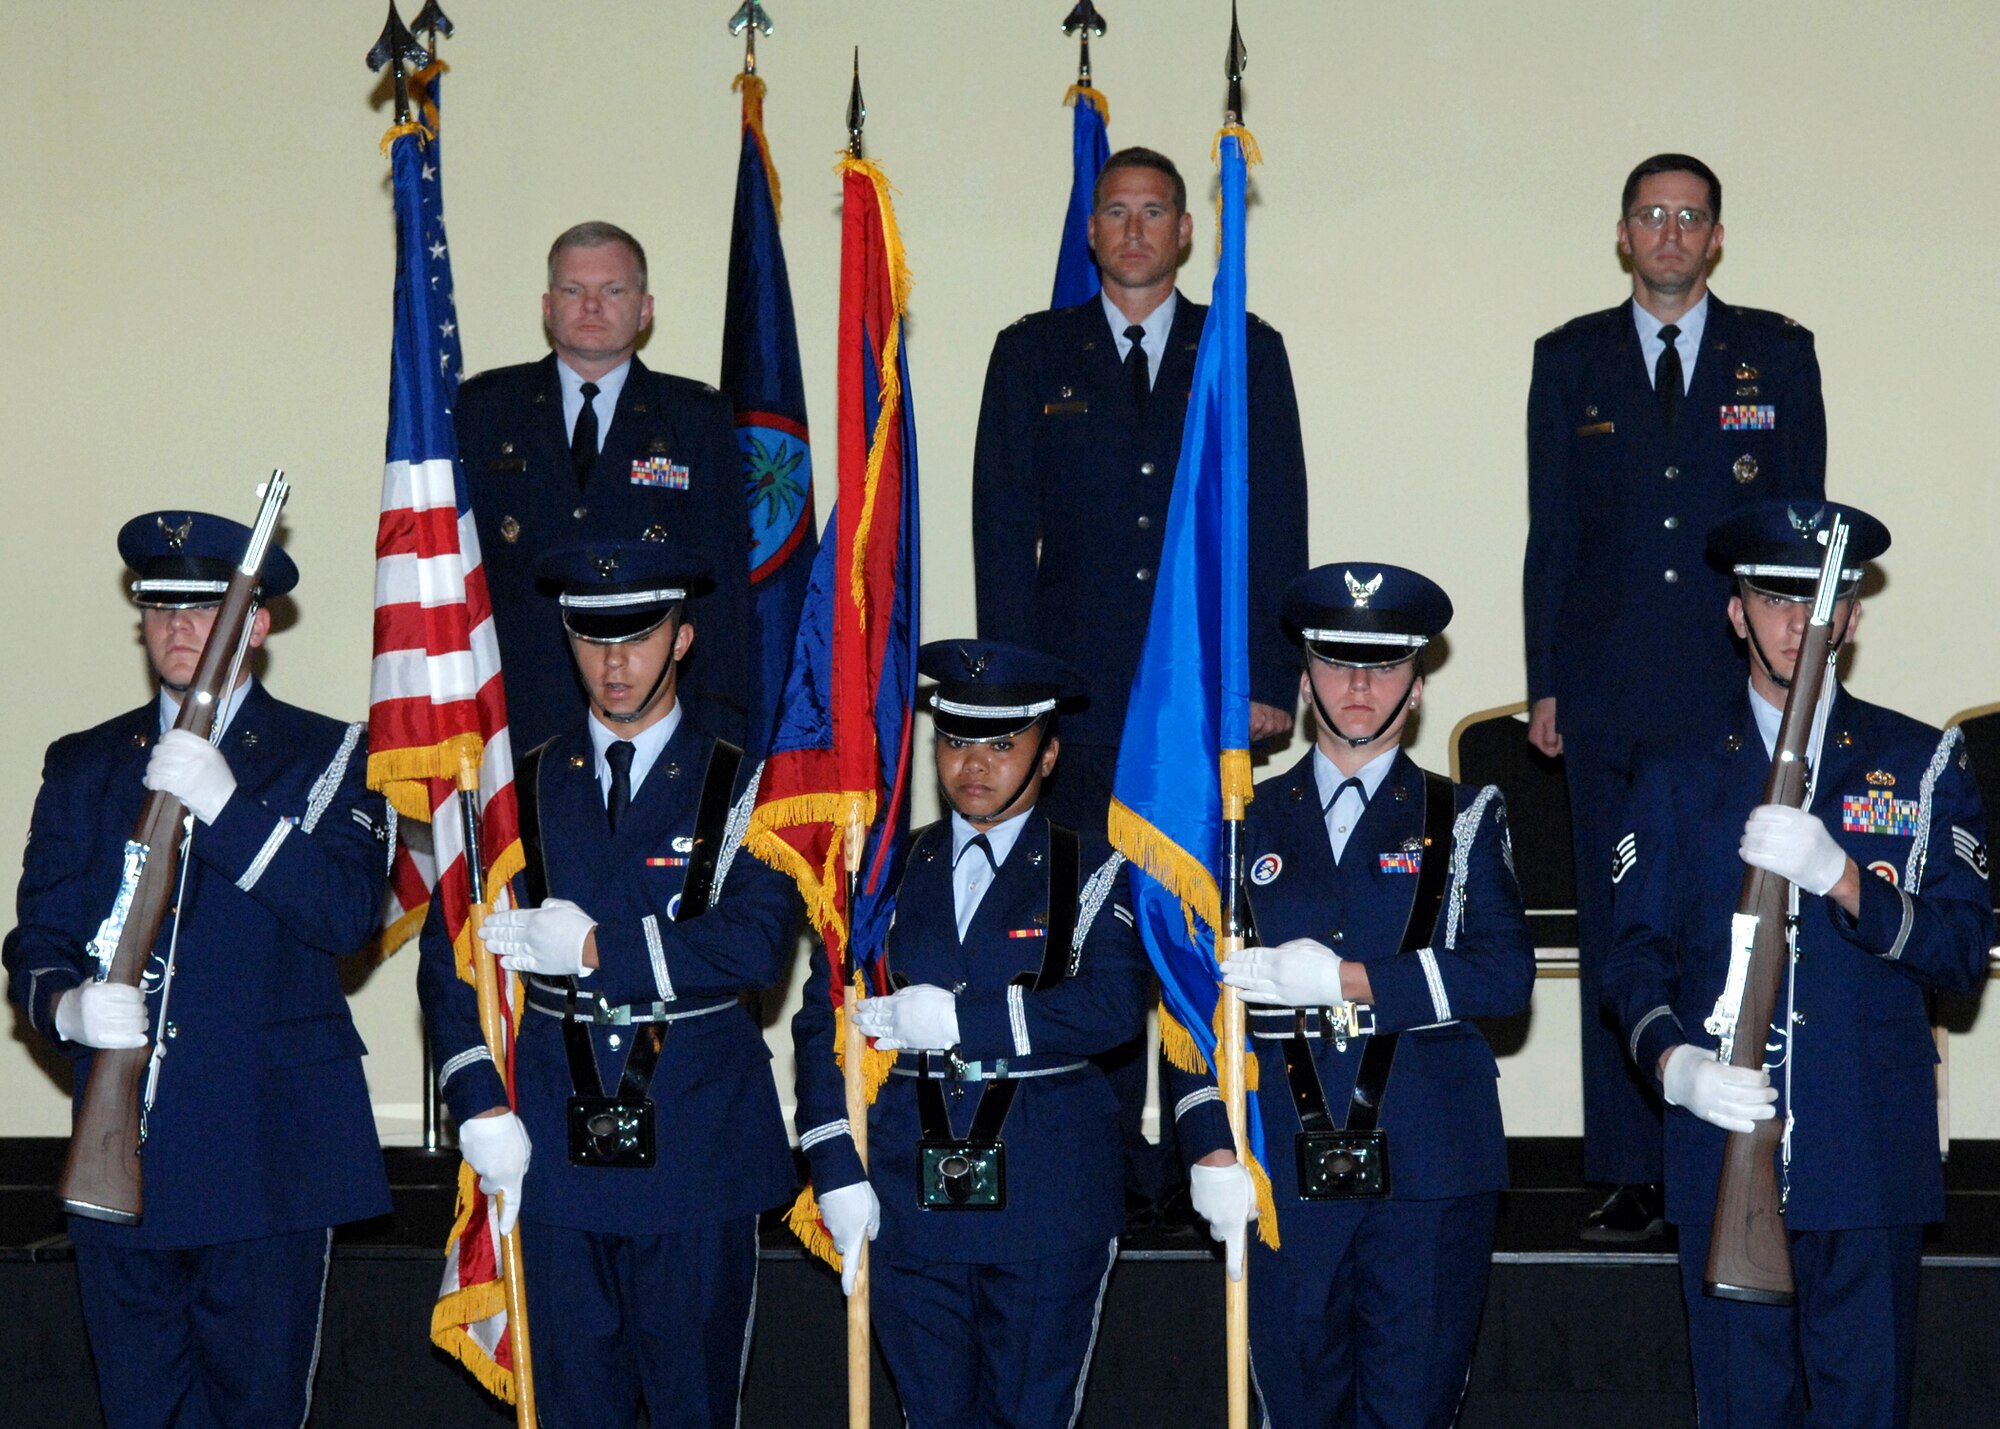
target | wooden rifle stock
[
  {"x": 1749, "y": 1254},
  {"x": 102, "y": 1178}
]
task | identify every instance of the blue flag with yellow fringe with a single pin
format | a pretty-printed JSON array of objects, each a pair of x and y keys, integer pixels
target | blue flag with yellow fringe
[
  {"x": 1076, "y": 270},
  {"x": 1187, "y": 728}
]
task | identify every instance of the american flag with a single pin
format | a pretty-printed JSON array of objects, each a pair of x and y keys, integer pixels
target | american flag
[{"x": 435, "y": 695}]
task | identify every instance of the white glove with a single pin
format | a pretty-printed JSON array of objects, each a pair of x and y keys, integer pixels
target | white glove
[
  {"x": 1733, "y": 1098},
  {"x": 922, "y": 1018},
  {"x": 1301, "y": 973},
  {"x": 497, "y": 1148},
  {"x": 547, "y": 940},
  {"x": 852, "y": 1214},
  {"x": 192, "y": 770},
  {"x": 102, "y": 1015},
  {"x": 1794, "y": 845},
  {"x": 1225, "y": 1198}
]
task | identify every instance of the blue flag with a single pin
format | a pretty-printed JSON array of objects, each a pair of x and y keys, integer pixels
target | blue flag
[
  {"x": 760, "y": 372},
  {"x": 1076, "y": 271},
  {"x": 1187, "y": 728}
]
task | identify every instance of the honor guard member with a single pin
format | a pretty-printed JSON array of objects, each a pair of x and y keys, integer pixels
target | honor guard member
[
  {"x": 1647, "y": 423},
  {"x": 591, "y": 441},
  {"x": 647, "y": 1135},
  {"x": 257, "y": 1133},
  {"x": 1079, "y": 441},
  {"x": 1889, "y": 860},
  {"x": 1385, "y": 905},
  {"x": 995, "y": 1175}
]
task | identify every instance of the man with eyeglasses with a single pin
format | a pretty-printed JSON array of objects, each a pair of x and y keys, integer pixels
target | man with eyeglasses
[{"x": 1647, "y": 424}]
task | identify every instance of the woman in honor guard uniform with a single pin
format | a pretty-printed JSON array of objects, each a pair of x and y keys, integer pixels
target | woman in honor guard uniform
[
  {"x": 258, "y": 1136},
  {"x": 1386, "y": 909},
  {"x": 644, "y": 1084},
  {"x": 1889, "y": 860},
  {"x": 995, "y": 1168}
]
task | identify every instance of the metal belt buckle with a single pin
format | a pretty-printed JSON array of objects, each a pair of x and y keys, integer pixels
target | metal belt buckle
[
  {"x": 1349, "y": 1019},
  {"x": 962, "y": 1175}
]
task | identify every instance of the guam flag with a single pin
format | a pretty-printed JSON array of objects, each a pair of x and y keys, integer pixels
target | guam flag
[
  {"x": 760, "y": 372},
  {"x": 1076, "y": 271},
  {"x": 1187, "y": 728}
]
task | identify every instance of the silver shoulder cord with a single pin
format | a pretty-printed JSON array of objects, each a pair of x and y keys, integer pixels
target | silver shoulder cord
[{"x": 160, "y": 1035}]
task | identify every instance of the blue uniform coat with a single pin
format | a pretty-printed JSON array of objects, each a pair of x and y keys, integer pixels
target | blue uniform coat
[
  {"x": 1862, "y": 1056},
  {"x": 721, "y": 1136},
  {"x": 261, "y": 1124},
  {"x": 1441, "y": 1110},
  {"x": 1067, "y": 464},
  {"x": 1065, "y": 1166},
  {"x": 525, "y": 499}
]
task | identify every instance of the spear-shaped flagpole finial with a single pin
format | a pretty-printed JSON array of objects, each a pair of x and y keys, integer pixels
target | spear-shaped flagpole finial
[
  {"x": 751, "y": 19},
  {"x": 1083, "y": 22},
  {"x": 857, "y": 112},
  {"x": 1233, "y": 67},
  {"x": 397, "y": 47},
  {"x": 432, "y": 22}
]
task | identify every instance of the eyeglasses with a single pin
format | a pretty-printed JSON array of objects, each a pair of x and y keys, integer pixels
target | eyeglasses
[{"x": 1654, "y": 218}]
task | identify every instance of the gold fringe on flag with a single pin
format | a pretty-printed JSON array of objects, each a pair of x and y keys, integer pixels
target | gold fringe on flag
[
  {"x": 875, "y": 1061},
  {"x": 1238, "y": 787},
  {"x": 504, "y": 868},
  {"x": 752, "y": 88},
  {"x": 1179, "y": 1046},
  {"x": 803, "y": 1221},
  {"x": 1084, "y": 94},
  {"x": 469, "y": 1304},
  {"x": 820, "y": 888},
  {"x": 420, "y": 86},
  {"x": 1165, "y": 861},
  {"x": 1267, "y": 1204},
  {"x": 401, "y": 775},
  {"x": 1252, "y": 156}
]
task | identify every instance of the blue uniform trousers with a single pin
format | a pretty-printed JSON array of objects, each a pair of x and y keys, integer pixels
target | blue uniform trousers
[
  {"x": 216, "y": 1335},
  {"x": 1003, "y": 1346},
  {"x": 618, "y": 1319},
  {"x": 1370, "y": 1320},
  {"x": 1622, "y": 1136},
  {"x": 1847, "y": 1347}
]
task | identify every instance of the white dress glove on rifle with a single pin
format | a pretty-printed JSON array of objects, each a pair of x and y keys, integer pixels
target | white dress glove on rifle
[
  {"x": 547, "y": 940},
  {"x": 102, "y": 1015},
  {"x": 921, "y": 1018},
  {"x": 192, "y": 770},
  {"x": 1794, "y": 845},
  {"x": 1225, "y": 1197},
  {"x": 852, "y": 1215},
  {"x": 1733, "y": 1098},
  {"x": 497, "y": 1148},
  {"x": 1301, "y": 973}
]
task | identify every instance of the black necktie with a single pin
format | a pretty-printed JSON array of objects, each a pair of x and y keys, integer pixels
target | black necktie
[
  {"x": 1135, "y": 367},
  {"x": 619, "y": 756},
  {"x": 1667, "y": 382},
  {"x": 583, "y": 440},
  {"x": 978, "y": 841}
]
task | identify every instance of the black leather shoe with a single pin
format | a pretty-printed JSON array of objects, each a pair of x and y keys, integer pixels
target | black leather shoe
[{"x": 1628, "y": 1214}]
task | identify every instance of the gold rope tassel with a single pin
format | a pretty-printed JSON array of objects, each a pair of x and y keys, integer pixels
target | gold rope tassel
[{"x": 1085, "y": 94}]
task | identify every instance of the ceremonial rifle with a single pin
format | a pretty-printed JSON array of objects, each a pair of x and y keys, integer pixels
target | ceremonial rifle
[
  {"x": 103, "y": 1179},
  {"x": 1749, "y": 1257}
]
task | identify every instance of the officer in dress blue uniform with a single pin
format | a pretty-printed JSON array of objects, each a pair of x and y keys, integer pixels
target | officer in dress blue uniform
[
  {"x": 1637, "y": 445},
  {"x": 1385, "y": 902},
  {"x": 258, "y": 1137},
  {"x": 590, "y": 439},
  {"x": 647, "y": 1135},
  {"x": 1889, "y": 860},
  {"x": 1079, "y": 441},
  {"x": 1015, "y": 957}
]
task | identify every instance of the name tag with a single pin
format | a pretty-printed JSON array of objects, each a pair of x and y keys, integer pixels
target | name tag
[
  {"x": 659, "y": 471},
  {"x": 1597, "y": 429},
  {"x": 1750, "y": 418},
  {"x": 1057, "y": 409}
]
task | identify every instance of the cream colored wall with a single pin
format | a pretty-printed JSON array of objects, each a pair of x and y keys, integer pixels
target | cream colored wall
[{"x": 199, "y": 255}]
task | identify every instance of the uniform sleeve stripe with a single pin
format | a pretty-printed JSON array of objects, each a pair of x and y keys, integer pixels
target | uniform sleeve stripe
[
  {"x": 825, "y": 1131},
  {"x": 1440, "y": 1003},
  {"x": 453, "y": 1066},
  {"x": 1895, "y": 952},
  {"x": 1017, "y": 1018},
  {"x": 1194, "y": 1099},
  {"x": 264, "y": 856},
  {"x": 1647, "y": 1021},
  {"x": 656, "y": 949}
]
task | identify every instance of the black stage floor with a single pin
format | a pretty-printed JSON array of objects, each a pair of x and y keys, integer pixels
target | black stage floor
[{"x": 1590, "y": 1335}]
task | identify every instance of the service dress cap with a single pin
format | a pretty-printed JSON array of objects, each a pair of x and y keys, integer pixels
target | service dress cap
[
  {"x": 1777, "y": 547},
  {"x": 614, "y": 590},
  {"x": 987, "y": 689},
  {"x": 185, "y": 558},
  {"x": 1364, "y": 613}
]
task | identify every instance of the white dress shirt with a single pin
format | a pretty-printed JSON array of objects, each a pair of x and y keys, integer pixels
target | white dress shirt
[
  {"x": 971, "y": 874},
  {"x": 1343, "y": 809},
  {"x": 1158, "y": 323},
  {"x": 1691, "y": 323},
  {"x": 605, "y": 404}
]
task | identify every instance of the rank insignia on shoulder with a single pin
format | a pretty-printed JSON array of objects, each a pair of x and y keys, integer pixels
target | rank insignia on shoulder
[
  {"x": 1970, "y": 849},
  {"x": 1881, "y": 779},
  {"x": 1748, "y": 417},
  {"x": 1884, "y": 870},
  {"x": 1878, "y": 812},
  {"x": 1266, "y": 869},
  {"x": 1400, "y": 862},
  {"x": 1027, "y": 932},
  {"x": 664, "y": 862},
  {"x": 659, "y": 471},
  {"x": 1624, "y": 856}
]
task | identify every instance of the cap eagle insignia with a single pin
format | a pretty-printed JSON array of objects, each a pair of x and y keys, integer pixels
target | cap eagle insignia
[
  {"x": 176, "y": 535},
  {"x": 1360, "y": 592},
  {"x": 606, "y": 562},
  {"x": 1805, "y": 525},
  {"x": 975, "y": 665}
]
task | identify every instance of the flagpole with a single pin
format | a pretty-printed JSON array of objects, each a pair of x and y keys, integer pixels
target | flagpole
[
  {"x": 854, "y": 1051},
  {"x": 493, "y": 1026}
]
